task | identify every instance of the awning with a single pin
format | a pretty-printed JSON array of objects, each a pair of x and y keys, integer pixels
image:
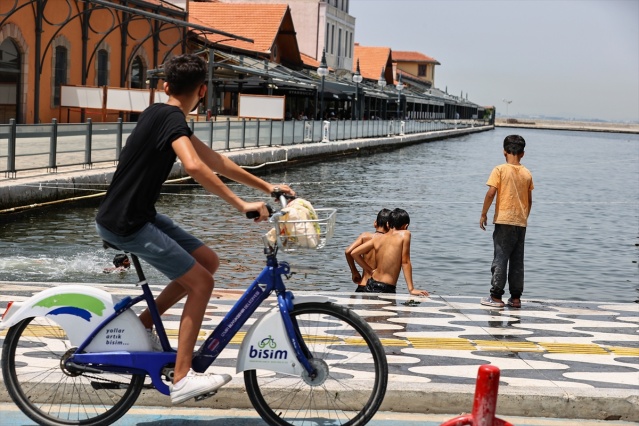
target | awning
[{"x": 236, "y": 69}]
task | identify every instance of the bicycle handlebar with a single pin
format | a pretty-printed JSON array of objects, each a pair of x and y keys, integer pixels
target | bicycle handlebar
[{"x": 280, "y": 196}]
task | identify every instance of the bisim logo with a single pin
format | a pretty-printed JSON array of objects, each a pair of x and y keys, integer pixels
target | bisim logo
[{"x": 267, "y": 350}]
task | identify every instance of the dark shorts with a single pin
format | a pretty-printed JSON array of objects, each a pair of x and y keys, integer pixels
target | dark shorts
[
  {"x": 163, "y": 244},
  {"x": 373, "y": 286}
]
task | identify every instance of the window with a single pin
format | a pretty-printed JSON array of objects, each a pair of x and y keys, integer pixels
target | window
[
  {"x": 345, "y": 44},
  {"x": 421, "y": 70},
  {"x": 332, "y": 37},
  {"x": 350, "y": 45},
  {"x": 10, "y": 60},
  {"x": 339, "y": 42},
  {"x": 328, "y": 26},
  {"x": 103, "y": 67},
  {"x": 59, "y": 73},
  {"x": 137, "y": 73}
]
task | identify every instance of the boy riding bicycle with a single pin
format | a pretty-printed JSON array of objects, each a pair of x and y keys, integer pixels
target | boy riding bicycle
[{"x": 127, "y": 217}]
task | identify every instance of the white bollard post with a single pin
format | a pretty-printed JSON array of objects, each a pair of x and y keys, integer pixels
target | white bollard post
[
  {"x": 308, "y": 131},
  {"x": 326, "y": 131}
]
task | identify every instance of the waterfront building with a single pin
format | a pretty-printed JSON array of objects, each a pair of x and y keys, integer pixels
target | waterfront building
[
  {"x": 45, "y": 45},
  {"x": 415, "y": 67},
  {"x": 93, "y": 49},
  {"x": 265, "y": 66},
  {"x": 321, "y": 25}
]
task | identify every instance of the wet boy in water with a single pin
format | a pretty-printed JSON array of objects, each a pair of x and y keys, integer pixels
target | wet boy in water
[
  {"x": 381, "y": 227},
  {"x": 392, "y": 256}
]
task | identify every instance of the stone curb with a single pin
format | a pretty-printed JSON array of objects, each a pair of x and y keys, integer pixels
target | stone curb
[{"x": 592, "y": 404}]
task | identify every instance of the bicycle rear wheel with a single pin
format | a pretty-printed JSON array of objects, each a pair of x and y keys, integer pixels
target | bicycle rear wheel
[
  {"x": 353, "y": 373},
  {"x": 35, "y": 376}
]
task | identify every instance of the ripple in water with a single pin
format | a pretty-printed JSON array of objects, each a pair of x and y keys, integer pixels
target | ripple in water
[{"x": 581, "y": 243}]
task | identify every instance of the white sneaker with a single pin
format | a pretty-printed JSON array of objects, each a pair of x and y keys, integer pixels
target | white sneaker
[
  {"x": 195, "y": 384},
  {"x": 156, "y": 346}
]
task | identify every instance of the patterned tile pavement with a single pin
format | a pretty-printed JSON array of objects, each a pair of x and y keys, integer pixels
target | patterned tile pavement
[{"x": 569, "y": 348}]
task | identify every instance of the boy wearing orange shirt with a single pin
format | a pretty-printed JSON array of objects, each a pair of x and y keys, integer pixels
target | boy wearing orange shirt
[{"x": 513, "y": 185}]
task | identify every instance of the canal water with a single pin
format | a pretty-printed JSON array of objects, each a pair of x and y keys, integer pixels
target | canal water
[{"x": 581, "y": 244}]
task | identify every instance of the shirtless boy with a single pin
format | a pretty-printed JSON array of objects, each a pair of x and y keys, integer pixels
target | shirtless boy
[
  {"x": 381, "y": 227},
  {"x": 392, "y": 255}
]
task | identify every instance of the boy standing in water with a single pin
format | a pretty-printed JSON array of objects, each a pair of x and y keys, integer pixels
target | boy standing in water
[
  {"x": 391, "y": 253},
  {"x": 127, "y": 217},
  {"x": 513, "y": 184},
  {"x": 381, "y": 227}
]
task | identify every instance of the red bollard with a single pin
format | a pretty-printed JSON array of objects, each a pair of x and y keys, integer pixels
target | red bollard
[{"x": 484, "y": 403}]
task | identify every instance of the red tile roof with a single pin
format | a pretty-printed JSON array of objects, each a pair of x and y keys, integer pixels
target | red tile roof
[
  {"x": 372, "y": 60},
  {"x": 309, "y": 61},
  {"x": 259, "y": 22},
  {"x": 406, "y": 56}
]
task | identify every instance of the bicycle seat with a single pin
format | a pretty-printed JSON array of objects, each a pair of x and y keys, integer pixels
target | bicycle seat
[{"x": 108, "y": 245}]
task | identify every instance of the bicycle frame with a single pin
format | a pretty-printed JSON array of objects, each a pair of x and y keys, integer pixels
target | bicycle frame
[{"x": 277, "y": 322}]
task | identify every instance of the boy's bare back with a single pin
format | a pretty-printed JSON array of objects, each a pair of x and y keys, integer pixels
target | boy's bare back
[{"x": 387, "y": 252}]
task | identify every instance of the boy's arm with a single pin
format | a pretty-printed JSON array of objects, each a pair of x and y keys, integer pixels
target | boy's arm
[
  {"x": 529, "y": 201},
  {"x": 488, "y": 200},
  {"x": 358, "y": 255},
  {"x": 407, "y": 267},
  {"x": 355, "y": 275}
]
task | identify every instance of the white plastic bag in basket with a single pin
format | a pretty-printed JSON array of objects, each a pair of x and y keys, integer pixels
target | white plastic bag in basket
[{"x": 303, "y": 234}]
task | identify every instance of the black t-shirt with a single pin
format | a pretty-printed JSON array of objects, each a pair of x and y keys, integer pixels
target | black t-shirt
[{"x": 144, "y": 165}]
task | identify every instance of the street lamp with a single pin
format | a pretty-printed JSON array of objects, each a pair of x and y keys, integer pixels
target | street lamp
[
  {"x": 399, "y": 86},
  {"x": 507, "y": 103},
  {"x": 357, "y": 78},
  {"x": 322, "y": 71},
  {"x": 382, "y": 80}
]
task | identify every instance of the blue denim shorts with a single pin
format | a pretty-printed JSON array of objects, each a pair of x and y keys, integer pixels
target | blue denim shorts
[{"x": 162, "y": 244}]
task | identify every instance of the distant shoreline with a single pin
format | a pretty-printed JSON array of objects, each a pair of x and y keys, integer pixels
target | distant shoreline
[{"x": 584, "y": 126}]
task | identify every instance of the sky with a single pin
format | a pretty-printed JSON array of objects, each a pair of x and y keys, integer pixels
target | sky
[{"x": 576, "y": 59}]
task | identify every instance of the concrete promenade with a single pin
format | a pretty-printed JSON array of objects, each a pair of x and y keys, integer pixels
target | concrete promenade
[
  {"x": 558, "y": 359},
  {"x": 582, "y": 126},
  {"x": 37, "y": 188}
]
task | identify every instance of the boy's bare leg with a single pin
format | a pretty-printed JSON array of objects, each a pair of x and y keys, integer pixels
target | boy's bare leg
[
  {"x": 174, "y": 292},
  {"x": 198, "y": 284}
]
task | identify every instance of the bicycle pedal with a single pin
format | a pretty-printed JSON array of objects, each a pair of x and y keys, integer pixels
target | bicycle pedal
[{"x": 204, "y": 396}]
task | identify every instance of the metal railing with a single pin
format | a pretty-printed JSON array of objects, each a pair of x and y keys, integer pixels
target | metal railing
[{"x": 51, "y": 146}]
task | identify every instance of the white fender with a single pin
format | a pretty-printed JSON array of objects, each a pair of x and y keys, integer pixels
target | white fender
[
  {"x": 266, "y": 345},
  {"x": 79, "y": 310}
]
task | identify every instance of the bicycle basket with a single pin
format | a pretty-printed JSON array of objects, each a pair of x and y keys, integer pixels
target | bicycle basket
[{"x": 293, "y": 235}]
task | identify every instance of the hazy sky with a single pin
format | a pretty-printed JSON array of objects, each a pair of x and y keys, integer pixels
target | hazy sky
[{"x": 569, "y": 58}]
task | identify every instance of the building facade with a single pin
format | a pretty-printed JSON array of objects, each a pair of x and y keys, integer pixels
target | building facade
[
  {"x": 47, "y": 44},
  {"x": 321, "y": 25},
  {"x": 415, "y": 64}
]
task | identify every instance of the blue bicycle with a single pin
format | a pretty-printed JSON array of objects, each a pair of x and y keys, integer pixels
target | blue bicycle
[{"x": 76, "y": 355}]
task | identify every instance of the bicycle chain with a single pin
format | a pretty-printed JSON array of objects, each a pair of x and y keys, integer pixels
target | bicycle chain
[{"x": 103, "y": 379}]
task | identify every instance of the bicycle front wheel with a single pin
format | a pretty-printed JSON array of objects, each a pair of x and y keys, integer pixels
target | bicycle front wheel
[
  {"x": 352, "y": 372},
  {"x": 46, "y": 391}
]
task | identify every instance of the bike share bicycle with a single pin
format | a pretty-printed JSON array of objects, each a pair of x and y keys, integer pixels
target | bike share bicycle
[{"x": 76, "y": 355}]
